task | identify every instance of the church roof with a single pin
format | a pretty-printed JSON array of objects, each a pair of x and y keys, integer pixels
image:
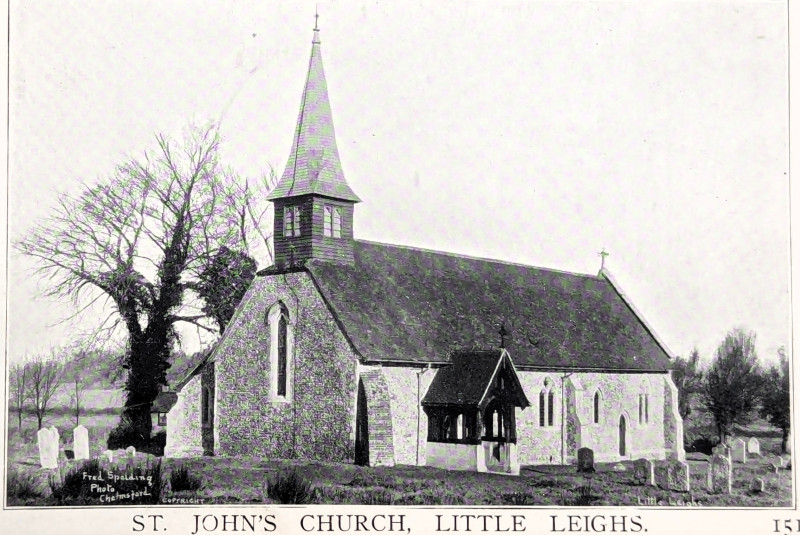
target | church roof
[
  {"x": 468, "y": 380},
  {"x": 313, "y": 166},
  {"x": 407, "y": 305}
]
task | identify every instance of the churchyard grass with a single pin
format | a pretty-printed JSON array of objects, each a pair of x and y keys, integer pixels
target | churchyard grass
[{"x": 244, "y": 479}]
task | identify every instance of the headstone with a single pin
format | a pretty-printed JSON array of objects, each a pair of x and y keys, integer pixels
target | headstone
[
  {"x": 773, "y": 468},
  {"x": 721, "y": 449},
  {"x": 48, "y": 450},
  {"x": 753, "y": 446},
  {"x": 721, "y": 475},
  {"x": 679, "y": 476},
  {"x": 80, "y": 442},
  {"x": 643, "y": 473},
  {"x": 739, "y": 451},
  {"x": 130, "y": 451},
  {"x": 585, "y": 460},
  {"x": 108, "y": 454},
  {"x": 781, "y": 462},
  {"x": 54, "y": 431},
  {"x": 757, "y": 486},
  {"x": 789, "y": 443}
]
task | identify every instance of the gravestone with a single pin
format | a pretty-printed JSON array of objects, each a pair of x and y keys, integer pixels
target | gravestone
[
  {"x": 721, "y": 475},
  {"x": 80, "y": 442},
  {"x": 109, "y": 455},
  {"x": 721, "y": 449},
  {"x": 130, "y": 451},
  {"x": 773, "y": 468},
  {"x": 48, "y": 448},
  {"x": 585, "y": 460},
  {"x": 753, "y": 446},
  {"x": 679, "y": 476},
  {"x": 739, "y": 451},
  {"x": 789, "y": 443},
  {"x": 757, "y": 486},
  {"x": 643, "y": 473}
]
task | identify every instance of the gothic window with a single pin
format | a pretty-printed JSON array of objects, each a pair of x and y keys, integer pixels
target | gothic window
[
  {"x": 280, "y": 352},
  {"x": 550, "y": 408},
  {"x": 332, "y": 221},
  {"x": 597, "y": 407},
  {"x": 283, "y": 330},
  {"x": 542, "y": 407},
  {"x": 291, "y": 221}
]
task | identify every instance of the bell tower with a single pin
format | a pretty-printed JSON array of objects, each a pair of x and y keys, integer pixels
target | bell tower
[{"x": 312, "y": 200}]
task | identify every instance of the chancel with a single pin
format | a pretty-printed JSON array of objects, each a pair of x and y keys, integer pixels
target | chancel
[{"x": 354, "y": 351}]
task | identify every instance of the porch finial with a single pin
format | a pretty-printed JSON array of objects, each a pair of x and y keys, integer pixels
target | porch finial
[{"x": 503, "y": 333}]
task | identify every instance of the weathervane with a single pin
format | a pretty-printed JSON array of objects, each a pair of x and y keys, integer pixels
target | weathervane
[
  {"x": 603, "y": 254},
  {"x": 316, "y": 19}
]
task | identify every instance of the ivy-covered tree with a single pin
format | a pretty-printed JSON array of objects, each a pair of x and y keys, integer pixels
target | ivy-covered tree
[
  {"x": 775, "y": 397},
  {"x": 223, "y": 284}
]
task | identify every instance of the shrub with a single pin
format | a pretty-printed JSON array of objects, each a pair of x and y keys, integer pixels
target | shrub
[
  {"x": 126, "y": 434},
  {"x": 290, "y": 487},
  {"x": 181, "y": 479},
  {"x": 699, "y": 443},
  {"x": 21, "y": 486}
]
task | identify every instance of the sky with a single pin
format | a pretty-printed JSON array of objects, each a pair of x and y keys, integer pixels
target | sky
[{"x": 532, "y": 132}]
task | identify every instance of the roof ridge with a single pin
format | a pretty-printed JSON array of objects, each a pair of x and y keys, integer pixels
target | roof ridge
[{"x": 481, "y": 258}]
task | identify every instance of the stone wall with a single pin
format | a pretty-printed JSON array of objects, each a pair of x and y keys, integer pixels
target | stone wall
[
  {"x": 537, "y": 444},
  {"x": 184, "y": 428},
  {"x": 317, "y": 419},
  {"x": 619, "y": 396},
  {"x": 379, "y": 416},
  {"x": 407, "y": 387}
]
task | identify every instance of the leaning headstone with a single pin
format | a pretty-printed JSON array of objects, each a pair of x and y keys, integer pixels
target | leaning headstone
[
  {"x": 643, "y": 473},
  {"x": 739, "y": 451},
  {"x": 80, "y": 442},
  {"x": 48, "y": 451},
  {"x": 721, "y": 475},
  {"x": 721, "y": 449},
  {"x": 757, "y": 486},
  {"x": 585, "y": 460},
  {"x": 753, "y": 446},
  {"x": 130, "y": 451}
]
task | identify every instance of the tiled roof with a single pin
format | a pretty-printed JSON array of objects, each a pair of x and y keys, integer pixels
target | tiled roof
[
  {"x": 313, "y": 166},
  {"x": 411, "y": 305}
]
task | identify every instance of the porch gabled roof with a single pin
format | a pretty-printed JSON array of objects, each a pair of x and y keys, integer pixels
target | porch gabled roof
[{"x": 468, "y": 381}]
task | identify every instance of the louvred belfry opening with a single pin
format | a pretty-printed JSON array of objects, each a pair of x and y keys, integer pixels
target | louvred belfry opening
[{"x": 313, "y": 202}]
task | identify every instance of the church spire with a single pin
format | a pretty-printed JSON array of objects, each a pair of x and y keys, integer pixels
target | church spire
[
  {"x": 313, "y": 167},
  {"x": 313, "y": 203}
]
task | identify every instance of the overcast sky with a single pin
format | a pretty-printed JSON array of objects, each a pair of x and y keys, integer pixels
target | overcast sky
[{"x": 534, "y": 132}]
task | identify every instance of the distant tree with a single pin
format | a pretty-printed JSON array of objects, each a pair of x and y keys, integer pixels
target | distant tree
[
  {"x": 18, "y": 388},
  {"x": 44, "y": 379},
  {"x": 223, "y": 284},
  {"x": 688, "y": 378},
  {"x": 775, "y": 401},
  {"x": 77, "y": 380},
  {"x": 732, "y": 383}
]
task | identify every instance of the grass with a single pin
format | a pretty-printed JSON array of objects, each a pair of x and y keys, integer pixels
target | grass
[{"x": 181, "y": 479}]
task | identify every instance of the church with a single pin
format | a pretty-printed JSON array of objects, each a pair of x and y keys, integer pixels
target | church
[{"x": 361, "y": 352}]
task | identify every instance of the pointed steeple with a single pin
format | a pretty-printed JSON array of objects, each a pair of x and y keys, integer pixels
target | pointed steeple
[
  {"x": 313, "y": 204},
  {"x": 313, "y": 167}
]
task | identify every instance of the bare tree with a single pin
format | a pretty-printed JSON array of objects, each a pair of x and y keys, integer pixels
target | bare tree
[
  {"x": 18, "y": 388},
  {"x": 44, "y": 379},
  {"x": 139, "y": 241},
  {"x": 77, "y": 380}
]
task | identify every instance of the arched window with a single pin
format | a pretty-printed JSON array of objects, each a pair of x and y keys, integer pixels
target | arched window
[
  {"x": 280, "y": 352},
  {"x": 597, "y": 407},
  {"x": 542, "y": 407},
  {"x": 550, "y": 408}
]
